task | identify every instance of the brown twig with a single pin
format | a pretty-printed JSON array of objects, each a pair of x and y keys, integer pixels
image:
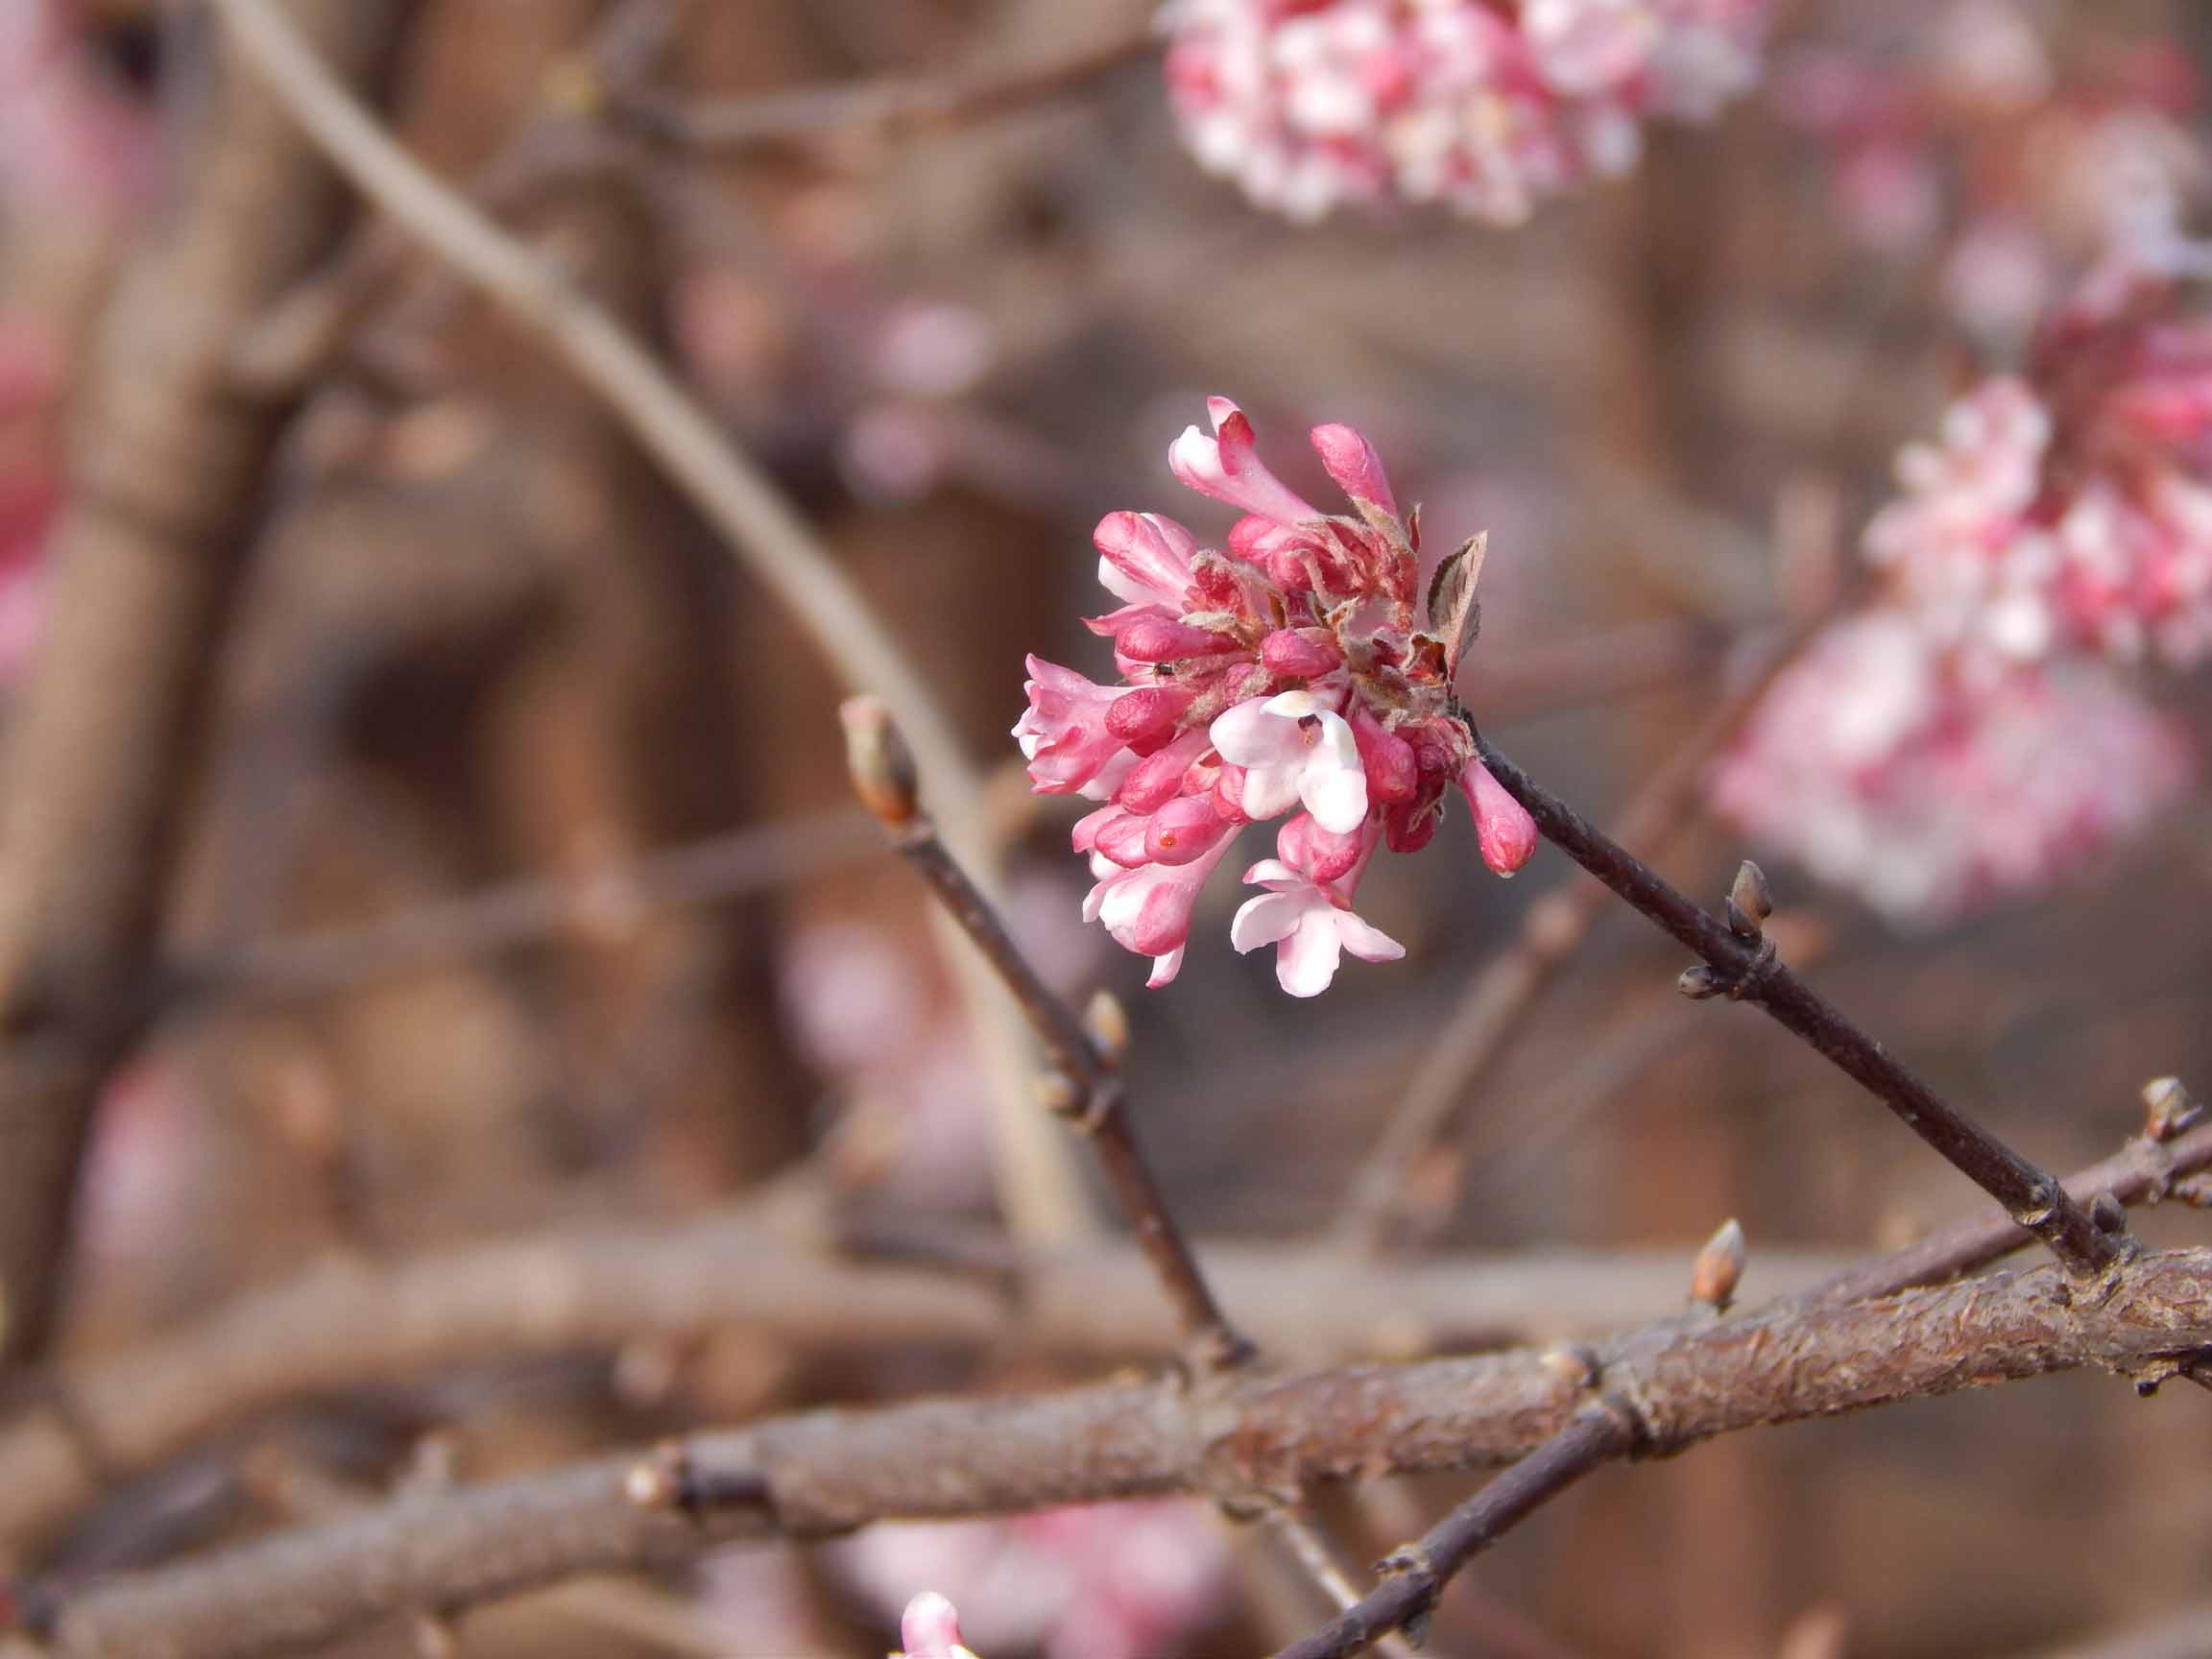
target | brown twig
[
  {"x": 807, "y": 117},
  {"x": 1087, "y": 1088},
  {"x": 1475, "y": 1034},
  {"x": 525, "y": 912},
  {"x": 1747, "y": 968},
  {"x": 1414, "y": 1574},
  {"x": 825, "y": 1472}
]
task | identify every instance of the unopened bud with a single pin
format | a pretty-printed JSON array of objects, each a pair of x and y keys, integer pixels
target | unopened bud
[
  {"x": 2108, "y": 1213},
  {"x": 657, "y": 1481},
  {"x": 1699, "y": 982},
  {"x": 1573, "y": 1364},
  {"x": 1056, "y": 1092},
  {"x": 1750, "y": 901},
  {"x": 1106, "y": 1022},
  {"x": 1719, "y": 1268},
  {"x": 877, "y": 756},
  {"x": 2168, "y": 1109}
]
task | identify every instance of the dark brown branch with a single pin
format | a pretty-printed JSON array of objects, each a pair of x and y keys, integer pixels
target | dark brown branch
[
  {"x": 165, "y": 481},
  {"x": 825, "y": 1472},
  {"x": 1088, "y": 1090},
  {"x": 1415, "y": 1574},
  {"x": 1498, "y": 1001},
  {"x": 808, "y": 116},
  {"x": 2032, "y": 1196}
]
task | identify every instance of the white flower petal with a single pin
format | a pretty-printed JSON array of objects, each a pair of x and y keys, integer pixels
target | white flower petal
[
  {"x": 1250, "y": 736},
  {"x": 1306, "y": 962},
  {"x": 1164, "y": 968},
  {"x": 1263, "y": 920},
  {"x": 1365, "y": 941}
]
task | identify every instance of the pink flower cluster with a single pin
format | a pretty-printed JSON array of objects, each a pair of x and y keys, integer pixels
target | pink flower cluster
[
  {"x": 1483, "y": 105},
  {"x": 2026, "y": 167},
  {"x": 1966, "y": 737},
  {"x": 2070, "y": 509},
  {"x": 1884, "y": 771},
  {"x": 1295, "y": 672}
]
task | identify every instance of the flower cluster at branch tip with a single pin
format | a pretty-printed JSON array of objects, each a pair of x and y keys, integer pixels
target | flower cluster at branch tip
[
  {"x": 1296, "y": 671},
  {"x": 1486, "y": 107},
  {"x": 1967, "y": 737}
]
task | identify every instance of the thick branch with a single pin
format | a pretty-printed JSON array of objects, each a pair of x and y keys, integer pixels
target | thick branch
[
  {"x": 166, "y": 472},
  {"x": 825, "y": 1472},
  {"x": 2032, "y": 1196}
]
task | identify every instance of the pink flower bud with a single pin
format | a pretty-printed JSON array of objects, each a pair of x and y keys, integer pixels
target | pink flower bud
[
  {"x": 1503, "y": 827},
  {"x": 1157, "y": 639},
  {"x": 1158, "y": 777},
  {"x": 1351, "y": 460},
  {"x": 1392, "y": 772},
  {"x": 1147, "y": 717},
  {"x": 1185, "y": 828},
  {"x": 1308, "y": 652},
  {"x": 1228, "y": 468},
  {"x": 931, "y": 1630},
  {"x": 1318, "y": 853},
  {"x": 1144, "y": 557}
]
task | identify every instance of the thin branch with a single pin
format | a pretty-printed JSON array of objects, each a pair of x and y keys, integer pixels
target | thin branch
[
  {"x": 530, "y": 911},
  {"x": 825, "y": 1471},
  {"x": 1414, "y": 1574},
  {"x": 807, "y": 117},
  {"x": 1087, "y": 1091},
  {"x": 1498, "y": 1001},
  {"x": 1315, "y": 1555},
  {"x": 736, "y": 496},
  {"x": 1749, "y": 971}
]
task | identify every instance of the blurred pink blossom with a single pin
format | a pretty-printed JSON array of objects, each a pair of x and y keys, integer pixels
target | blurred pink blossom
[
  {"x": 71, "y": 139},
  {"x": 1486, "y": 109},
  {"x": 1883, "y": 770},
  {"x": 1091, "y": 1581}
]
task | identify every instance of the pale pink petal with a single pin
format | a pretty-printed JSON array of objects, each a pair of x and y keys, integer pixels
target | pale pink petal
[
  {"x": 1263, "y": 919},
  {"x": 1305, "y": 961},
  {"x": 1366, "y": 941}
]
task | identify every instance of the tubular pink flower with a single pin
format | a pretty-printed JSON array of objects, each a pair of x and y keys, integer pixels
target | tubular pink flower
[
  {"x": 1228, "y": 468},
  {"x": 1309, "y": 919},
  {"x": 931, "y": 1630},
  {"x": 1144, "y": 557},
  {"x": 1185, "y": 828},
  {"x": 1503, "y": 827},
  {"x": 1392, "y": 772},
  {"x": 1148, "y": 909},
  {"x": 1294, "y": 749},
  {"x": 1159, "y": 639},
  {"x": 1352, "y": 462},
  {"x": 1064, "y": 734}
]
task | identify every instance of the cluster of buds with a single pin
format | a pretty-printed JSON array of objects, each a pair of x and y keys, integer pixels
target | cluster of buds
[
  {"x": 1884, "y": 770},
  {"x": 2019, "y": 167},
  {"x": 1297, "y": 671},
  {"x": 1486, "y": 107}
]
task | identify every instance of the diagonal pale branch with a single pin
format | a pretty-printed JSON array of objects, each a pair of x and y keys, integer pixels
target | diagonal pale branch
[
  {"x": 825, "y": 1471},
  {"x": 2032, "y": 1196},
  {"x": 1037, "y": 1184}
]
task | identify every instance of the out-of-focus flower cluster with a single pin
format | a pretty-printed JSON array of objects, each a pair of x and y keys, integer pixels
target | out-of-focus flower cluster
[
  {"x": 1089, "y": 1581},
  {"x": 1485, "y": 107},
  {"x": 2021, "y": 169},
  {"x": 1297, "y": 671},
  {"x": 1967, "y": 737}
]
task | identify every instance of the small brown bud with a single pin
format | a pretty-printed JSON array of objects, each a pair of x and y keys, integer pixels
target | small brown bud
[
  {"x": 1107, "y": 1022},
  {"x": 877, "y": 756},
  {"x": 657, "y": 1481},
  {"x": 1057, "y": 1092},
  {"x": 1573, "y": 1364},
  {"x": 2169, "y": 1109},
  {"x": 1719, "y": 1268},
  {"x": 1699, "y": 982},
  {"x": 2108, "y": 1213},
  {"x": 1751, "y": 892}
]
